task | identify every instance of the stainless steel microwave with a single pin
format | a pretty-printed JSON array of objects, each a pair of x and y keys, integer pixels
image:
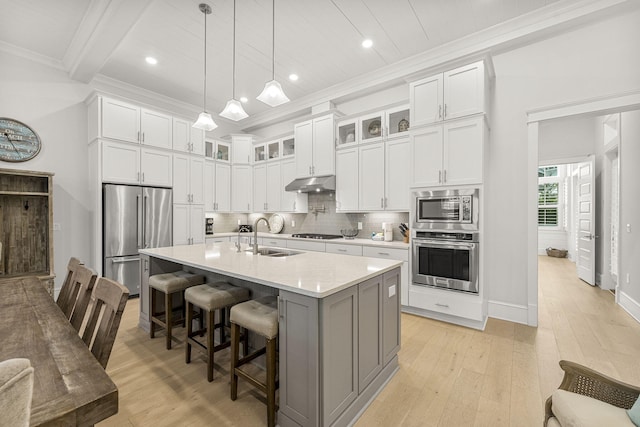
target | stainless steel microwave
[{"x": 455, "y": 209}]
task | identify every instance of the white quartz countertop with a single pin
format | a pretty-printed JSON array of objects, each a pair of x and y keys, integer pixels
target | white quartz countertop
[
  {"x": 315, "y": 274},
  {"x": 361, "y": 242}
]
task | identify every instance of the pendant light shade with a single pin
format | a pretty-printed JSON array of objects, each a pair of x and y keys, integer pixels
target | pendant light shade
[
  {"x": 205, "y": 122},
  {"x": 272, "y": 94},
  {"x": 233, "y": 110}
]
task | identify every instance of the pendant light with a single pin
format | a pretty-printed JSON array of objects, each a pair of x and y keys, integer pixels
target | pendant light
[
  {"x": 272, "y": 94},
  {"x": 205, "y": 122},
  {"x": 233, "y": 110}
]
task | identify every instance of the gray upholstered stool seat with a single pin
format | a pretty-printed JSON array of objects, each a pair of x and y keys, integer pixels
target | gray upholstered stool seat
[
  {"x": 211, "y": 297},
  {"x": 168, "y": 284},
  {"x": 258, "y": 315},
  {"x": 261, "y": 316}
]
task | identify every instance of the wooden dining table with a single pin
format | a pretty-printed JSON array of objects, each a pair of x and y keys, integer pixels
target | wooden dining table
[{"x": 70, "y": 387}]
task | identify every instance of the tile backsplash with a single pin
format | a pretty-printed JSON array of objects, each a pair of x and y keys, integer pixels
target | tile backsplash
[{"x": 322, "y": 218}]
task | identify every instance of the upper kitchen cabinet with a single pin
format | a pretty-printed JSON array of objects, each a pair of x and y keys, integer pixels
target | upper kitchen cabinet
[
  {"x": 186, "y": 138},
  {"x": 397, "y": 120},
  {"x": 188, "y": 179},
  {"x": 241, "y": 146},
  {"x": 130, "y": 164},
  {"x": 448, "y": 154},
  {"x": 315, "y": 152},
  {"x": 288, "y": 146},
  {"x": 347, "y": 133},
  {"x": 218, "y": 150},
  {"x": 372, "y": 127},
  {"x": 291, "y": 201},
  {"x": 376, "y": 127},
  {"x": 241, "y": 188},
  {"x": 456, "y": 93},
  {"x": 129, "y": 123}
]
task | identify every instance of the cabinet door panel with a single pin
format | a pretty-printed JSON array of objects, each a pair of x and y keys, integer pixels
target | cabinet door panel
[
  {"x": 463, "y": 143},
  {"x": 223, "y": 187},
  {"x": 156, "y": 167},
  {"x": 464, "y": 91},
  {"x": 347, "y": 180},
  {"x": 390, "y": 315},
  {"x": 120, "y": 163},
  {"x": 259, "y": 188},
  {"x": 181, "y": 130},
  {"x": 304, "y": 150},
  {"x": 120, "y": 120},
  {"x": 196, "y": 180},
  {"x": 371, "y": 178},
  {"x": 156, "y": 129},
  {"x": 323, "y": 146},
  {"x": 209, "y": 185},
  {"x": 197, "y": 140},
  {"x": 181, "y": 217},
  {"x": 196, "y": 223},
  {"x": 426, "y": 101},
  {"x": 426, "y": 156},
  {"x": 180, "y": 178},
  {"x": 241, "y": 185},
  {"x": 291, "y": 201},
  {"x": 369, "y": 338},
  {"x": 397, "y": 176},
  {"x": 274, "y": 187}
]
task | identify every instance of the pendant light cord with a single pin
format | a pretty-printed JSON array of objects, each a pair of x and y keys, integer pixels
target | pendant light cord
[
  {"x": 233, "y": 78},
  {"x": 204, "y": 101},
  {"x": 273, "y": 40}
]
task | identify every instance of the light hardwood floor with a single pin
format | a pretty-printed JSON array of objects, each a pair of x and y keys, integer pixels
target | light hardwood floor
[{"x": 449, "y": 375}]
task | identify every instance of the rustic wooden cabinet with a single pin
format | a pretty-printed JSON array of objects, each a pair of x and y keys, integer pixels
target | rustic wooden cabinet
[{"x": 26, "y": 233}]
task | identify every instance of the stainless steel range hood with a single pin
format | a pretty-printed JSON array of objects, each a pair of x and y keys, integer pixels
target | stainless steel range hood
[{"x": 315, "y": 184}]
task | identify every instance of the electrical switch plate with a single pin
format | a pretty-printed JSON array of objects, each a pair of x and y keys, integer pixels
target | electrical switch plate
[
  {"x": 392, "y": 291},
  {"x": 56, "y": 226},
  {"x": 627, "y": 277},
  {"x": 293, "y": 223},
  {"x": 359, "y": 226},
  {"x": 628, "y": 228}
]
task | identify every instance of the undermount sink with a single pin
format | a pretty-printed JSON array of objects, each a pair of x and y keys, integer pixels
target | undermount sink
[{"x": 272, "y": 252}]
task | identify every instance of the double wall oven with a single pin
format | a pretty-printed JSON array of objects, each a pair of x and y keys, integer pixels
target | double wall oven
[{"x": 445, "y": 247}]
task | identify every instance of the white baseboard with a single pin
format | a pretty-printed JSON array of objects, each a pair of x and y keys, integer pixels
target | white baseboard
[
  {"x": 629, "y": 305},
  {"x": 511, "y": 312}
]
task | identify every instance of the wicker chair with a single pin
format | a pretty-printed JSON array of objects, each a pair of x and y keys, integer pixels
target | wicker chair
[{"x": 587, "y": 382}]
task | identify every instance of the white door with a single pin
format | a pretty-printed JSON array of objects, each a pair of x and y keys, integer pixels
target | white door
[
  {"x": 241, "y": 185},
  {"x": 586, "y": 263},
  {"x": 397, "y": 161},
  {"x": 464, "y": 91},
  {"x": 304, "y": 150},
  {"x": 196, "y": 180},
  {"x": 426, "y": 156},
  {"x": 347, "y": 180},
  {"x": 180, "y": 178},
  {"x": 196, "y": 223},
  {"x": 323, "y": 146},
  {"x": 181, "y": 232},
  {"x": 371, "y": 178},
  {"x": 197, "y": 140},
  {"x": 463, "y": 147},
  {"x": 209, "y": 186},
  {"x": 426, "y": 101},
  {"x": 274, "y": 187},
  {"x": 120, "y": 120},
  {"x": 120, "y": 163},
  {"x": 223, "y": 187},
  {"x": 155, "y": 128},
  {"x": 181, "y": 131},
  {"x": 259, "y": 188}
]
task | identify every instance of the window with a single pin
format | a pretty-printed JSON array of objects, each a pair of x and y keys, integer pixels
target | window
[{"x": 549, "y": 196}]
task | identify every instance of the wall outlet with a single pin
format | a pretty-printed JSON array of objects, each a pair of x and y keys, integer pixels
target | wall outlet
[
  {"x": 359, "y": 226},
  {"x": 293, "y": 223},
  {"x": 56, "y": 226},
  {"x": 628, "y": 278}
]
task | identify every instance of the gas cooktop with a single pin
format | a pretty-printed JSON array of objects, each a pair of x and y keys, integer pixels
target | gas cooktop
[{"x": 317, "y": 236}]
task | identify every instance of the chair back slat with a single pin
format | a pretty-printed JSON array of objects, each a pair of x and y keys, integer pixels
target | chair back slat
[
  {"x": 84, "y": 280},
  {"x": 107, "y": 305},
  {"x": 63, "y": 296}
]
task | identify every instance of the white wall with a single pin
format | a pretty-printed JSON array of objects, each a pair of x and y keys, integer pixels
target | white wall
[
  {"x": 48, "y": 101},
  {"x": 596, "y": 60},
  {"x": 630, "y": 206},
  {"x": 566, "y": 138}
]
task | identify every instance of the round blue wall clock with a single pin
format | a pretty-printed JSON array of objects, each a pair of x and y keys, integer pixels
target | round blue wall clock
[{"x": 18, "y": 142}]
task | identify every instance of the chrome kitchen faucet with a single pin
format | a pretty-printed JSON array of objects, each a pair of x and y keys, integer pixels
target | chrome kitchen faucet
[{"x": 255, "y": 232}]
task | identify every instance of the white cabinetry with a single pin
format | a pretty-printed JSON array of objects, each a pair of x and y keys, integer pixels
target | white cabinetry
[
  {"x": 267, "y": 187},
  {"x": 241, "y": 148},
  {"x": 241, "y": 188},
  {"x": 188, "y": 179},
  {"x": 188, "y": 224},
  {"x": 291, "y": 201},
  {"x": 449, "y": 153},
  {"x": 222, "y": 195},
  {"x": 130, "y": 123},
  {"x": 315, "y": 153},
  {"x": 155, "y": 129},
  {"x": 347, "y": 180},
  {"x": 131, "y": 164},
  {"x": 396, "y": 175},
  {"x": 449, "y": 95},
  {"x": 397, "y": 254},
  {"x": 186, "y": 138},
  {"x": 371, "y": 177},
  {"x": 209, "y": 186}
]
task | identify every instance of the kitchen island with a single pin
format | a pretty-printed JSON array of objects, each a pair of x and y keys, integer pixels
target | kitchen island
[{"x": 339, "y": 321}]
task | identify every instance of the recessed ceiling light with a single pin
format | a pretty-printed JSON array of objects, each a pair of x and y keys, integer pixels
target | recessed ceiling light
[
  {"x": 293, "y": 77},
  {"x": 151, "y": 60},
  {"x": 367, "y": 43},
  {"x": 243, "y": 99}
]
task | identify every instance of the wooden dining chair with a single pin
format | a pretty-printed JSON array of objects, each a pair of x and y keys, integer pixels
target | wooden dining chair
[
  {"x": 83, "y": 283},
  {"x": 63, "y": 296},
  {"x": 107, "y": 304}
]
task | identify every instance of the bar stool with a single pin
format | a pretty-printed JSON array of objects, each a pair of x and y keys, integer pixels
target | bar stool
[
  {"x": 168, "y": 284},
  {"x": 211, "y": 297},
  {"x": 260, "y": 316}
]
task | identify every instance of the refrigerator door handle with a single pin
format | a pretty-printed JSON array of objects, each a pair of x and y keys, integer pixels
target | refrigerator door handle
[
  {"x": 122, "y": 260},
  {"x": 138, "y": 224},
  {"x": 144, "y": 221}
]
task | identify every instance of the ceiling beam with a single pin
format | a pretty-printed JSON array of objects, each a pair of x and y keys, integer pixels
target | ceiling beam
[{"x": 104, "y": 26}]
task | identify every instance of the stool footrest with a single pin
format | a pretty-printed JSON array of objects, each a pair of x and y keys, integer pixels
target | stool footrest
[{"x": 249, "y": 357}]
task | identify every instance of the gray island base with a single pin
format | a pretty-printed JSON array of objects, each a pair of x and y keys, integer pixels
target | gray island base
[{"x": 339, "y": 322}]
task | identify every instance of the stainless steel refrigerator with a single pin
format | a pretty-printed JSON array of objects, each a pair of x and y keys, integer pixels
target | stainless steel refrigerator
[{"x": 133, "y": 218}]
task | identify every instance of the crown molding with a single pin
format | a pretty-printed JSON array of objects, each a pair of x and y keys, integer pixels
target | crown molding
[
  {"x": 517, "y": 32},
  {"x": 31, "y": 55}
]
